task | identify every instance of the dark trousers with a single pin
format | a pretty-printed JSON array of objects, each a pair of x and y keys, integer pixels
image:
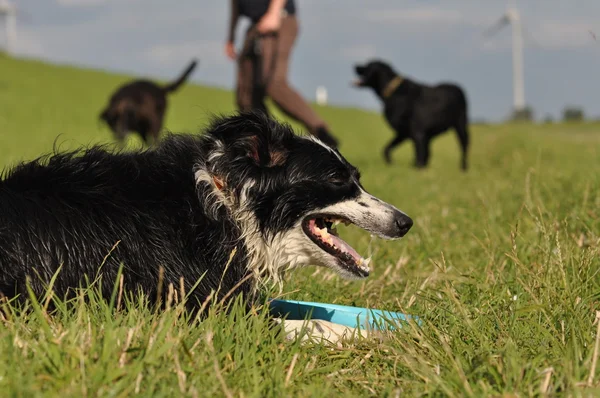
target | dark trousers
[{"x": 262, "y": 71}]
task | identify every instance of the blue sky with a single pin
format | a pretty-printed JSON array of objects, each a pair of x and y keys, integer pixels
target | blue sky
[{"x": 427, "y": 40}]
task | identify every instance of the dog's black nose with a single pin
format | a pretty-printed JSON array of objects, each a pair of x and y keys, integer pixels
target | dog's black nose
[{"x": 403, "y": 223}]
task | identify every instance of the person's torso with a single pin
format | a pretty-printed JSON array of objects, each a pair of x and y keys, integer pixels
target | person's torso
[{"x": 255, "y": 9}]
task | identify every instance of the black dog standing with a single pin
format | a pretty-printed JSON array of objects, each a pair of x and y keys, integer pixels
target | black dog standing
[
  {"x": 140, "y": 106},
  {"x": 417, "y": 111}
]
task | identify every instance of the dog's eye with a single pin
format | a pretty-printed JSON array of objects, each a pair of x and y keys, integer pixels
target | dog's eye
[{"x": 337, "y": 181}]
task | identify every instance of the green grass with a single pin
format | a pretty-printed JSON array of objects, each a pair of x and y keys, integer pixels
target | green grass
[{"x": 502, "y": 263}]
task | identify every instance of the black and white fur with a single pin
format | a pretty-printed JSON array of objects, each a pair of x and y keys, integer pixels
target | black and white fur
[{"x": 236, "y": 201}]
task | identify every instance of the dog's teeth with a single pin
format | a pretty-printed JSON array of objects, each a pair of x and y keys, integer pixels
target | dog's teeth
[
  {"x": 363, "y": 264},
  {"x": 321, "y": 231},
  {"x": 336, "y": 223}
]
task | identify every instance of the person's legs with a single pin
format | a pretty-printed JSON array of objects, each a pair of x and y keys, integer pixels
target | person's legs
[
  {"x": 276, "y": 51},
  {"x": 243, "y": 93},
  {"x": 248, "y": 96}
]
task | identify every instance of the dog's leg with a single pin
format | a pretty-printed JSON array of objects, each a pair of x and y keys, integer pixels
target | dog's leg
[
  {"x": 463, "y": 137},
  {"x": 151, "y": 138},
  {"x": 155, "y": 129},
  {"x": 319, "y": 331},
  {"x": 387, "y": 152},
  {"x": 422, "y": 151},
  {"x": 144, "y": 135},
  {"x": 120, "y": 136}
]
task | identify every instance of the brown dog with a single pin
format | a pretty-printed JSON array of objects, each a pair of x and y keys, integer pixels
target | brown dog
[{"x": 140, "y": 106}]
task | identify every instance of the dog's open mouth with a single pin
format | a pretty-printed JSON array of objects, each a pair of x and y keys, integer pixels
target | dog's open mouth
[{"x": 321, "y": 230}]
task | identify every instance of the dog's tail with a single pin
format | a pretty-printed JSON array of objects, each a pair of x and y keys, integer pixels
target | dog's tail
[
  {"x": 465, "y": 102},
  {"x": 175, "y": 84}
]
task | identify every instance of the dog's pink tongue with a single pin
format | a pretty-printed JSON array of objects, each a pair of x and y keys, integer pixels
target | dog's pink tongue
[
  {"x": 337, "y": 242},
  {"x": 343, "y": 246}
]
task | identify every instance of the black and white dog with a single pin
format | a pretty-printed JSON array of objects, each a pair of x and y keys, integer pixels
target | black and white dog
[{"x": 247, "y": 200}]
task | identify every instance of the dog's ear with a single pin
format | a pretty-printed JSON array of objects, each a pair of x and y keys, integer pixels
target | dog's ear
[
  {"x": 252, "y": 137},
  {"x": 104, "y": 115},
  {"x": 264, "y": 153}
]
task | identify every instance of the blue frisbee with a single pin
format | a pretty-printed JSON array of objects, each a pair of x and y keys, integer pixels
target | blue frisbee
[{"x": 356, "y": 317}]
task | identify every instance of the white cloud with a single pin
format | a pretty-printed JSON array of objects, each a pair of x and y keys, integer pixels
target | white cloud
[
  {"x": 360, "y": 51},
  {"x": 79, "y": 3},
  {"x": 29, "y": 44},
  {"x": 87, "y": 3},
  {"x": 209, "y": 52},
  {"x": 425, "y": 14},
  {"x": 434, "y": 17},
  {"x": 540, "y": 30},
  {"x": 545, "y": 34},
  {"x": 564, "y": 34}
]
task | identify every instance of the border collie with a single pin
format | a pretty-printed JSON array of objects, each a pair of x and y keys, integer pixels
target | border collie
[
  {"x": 417, "y": 111},
  {"x": 233, "y": 208},
  {"x": 140, "y": 106}
]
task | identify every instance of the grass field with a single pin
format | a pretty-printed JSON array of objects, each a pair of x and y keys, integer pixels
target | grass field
[{"x": 502, "y": 264}]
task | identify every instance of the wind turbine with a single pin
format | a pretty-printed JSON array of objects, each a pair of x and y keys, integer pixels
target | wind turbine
[
  {"x": 9, "y": 12},
  {"x": 513, "y": 17}
]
